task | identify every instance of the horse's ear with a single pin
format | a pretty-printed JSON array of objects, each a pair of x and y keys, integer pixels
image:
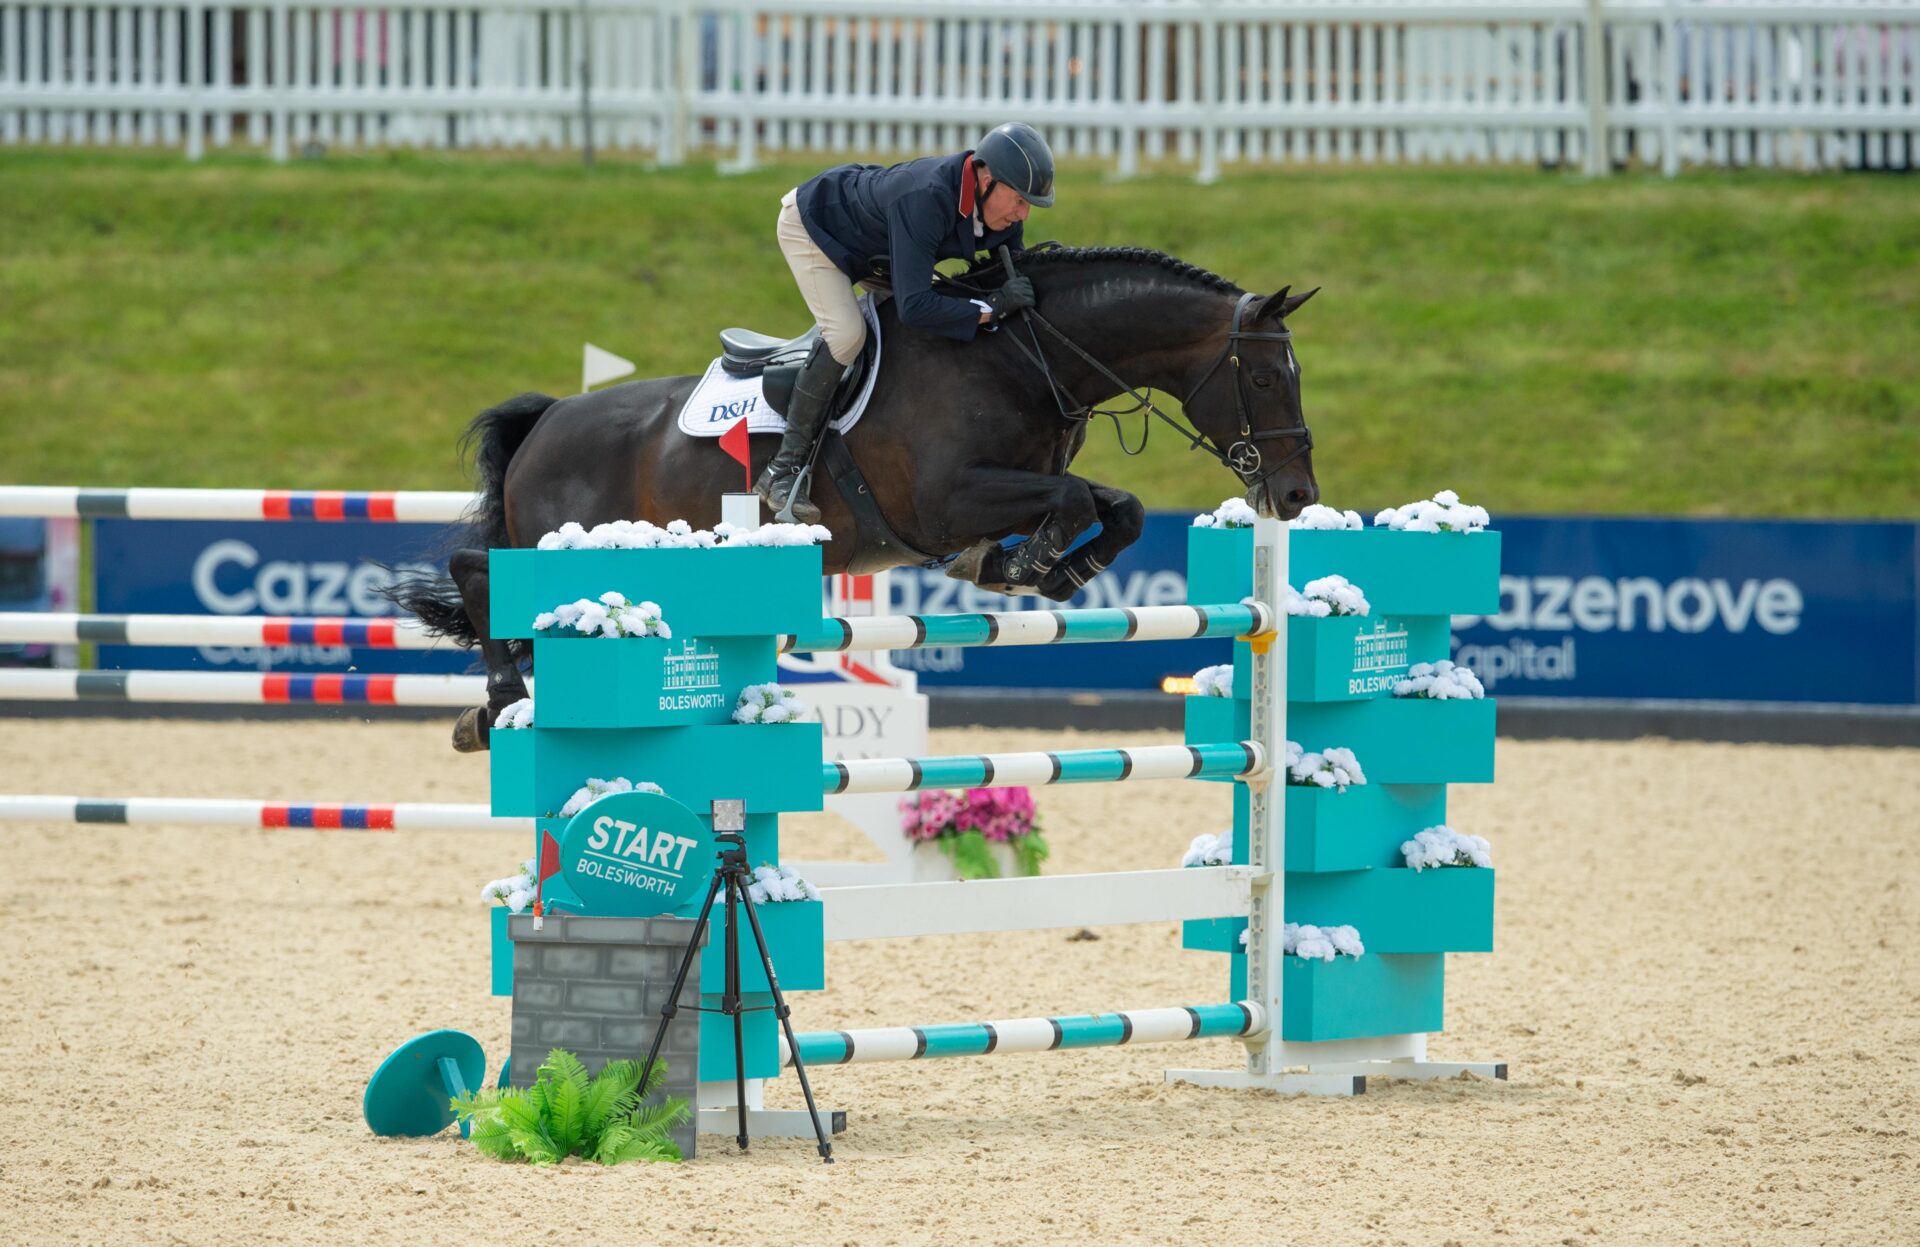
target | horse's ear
[{"x": 1281, "y": 304}]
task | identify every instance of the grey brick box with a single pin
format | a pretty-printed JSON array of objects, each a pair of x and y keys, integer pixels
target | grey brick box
[{"x": 595, "y": 986}]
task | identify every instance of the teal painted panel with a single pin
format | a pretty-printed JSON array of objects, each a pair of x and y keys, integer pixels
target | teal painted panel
[
  {"x": 514, "y": 791},
  {"x": 1219, "y": 564},
  {"x": 772, "y": 767},
  {"x": 1443, "y": 910},
  {"x": 759, "y": 1029},
  {"x": 1405, "y": 573},
  {"x": 796, "y": 941},
  {"x": 1358, "y": 997},
  {"x": 1212, "y": 935},
  {"x": 1360, "y": 828},
  {"x": 1403, "y": 740},
  {"x": 501, "y": 949},
  {"x": 601, "y": 682},
  {"x": 1218, "y": 721},
  {"x": 1348, "y": 657},
  {"x": 748, "y": 591}
]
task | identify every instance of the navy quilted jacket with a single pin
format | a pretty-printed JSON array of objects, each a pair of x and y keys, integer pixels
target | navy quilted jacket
[{"x": 912, "y": 213}]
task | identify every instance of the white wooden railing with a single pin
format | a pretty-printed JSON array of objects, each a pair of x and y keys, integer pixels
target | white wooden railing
[{"x": 1200, "y": 83}]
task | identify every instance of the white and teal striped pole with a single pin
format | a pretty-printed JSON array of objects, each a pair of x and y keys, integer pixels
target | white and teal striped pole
[
  {"x": 1007, "y": 628},
  {"x": 1238, "y": 759},
  {"x": 1050, "y": 1034}
]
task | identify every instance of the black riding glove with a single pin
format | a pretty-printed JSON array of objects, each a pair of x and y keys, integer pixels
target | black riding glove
[{"x": 1011, "y": 298}]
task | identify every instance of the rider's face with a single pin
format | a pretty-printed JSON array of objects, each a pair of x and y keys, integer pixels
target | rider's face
[{"x": 1003, "y": 206}]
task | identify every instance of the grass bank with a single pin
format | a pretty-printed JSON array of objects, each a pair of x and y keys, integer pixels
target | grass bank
[{"x": 1712, "y": 345}]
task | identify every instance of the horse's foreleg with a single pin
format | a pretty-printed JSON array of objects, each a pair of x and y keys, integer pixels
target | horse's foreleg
[
  {"x": 504, "y": 685},
  {"x": 1053, "y": 510},
  {"x": 1122, "y": 520}
]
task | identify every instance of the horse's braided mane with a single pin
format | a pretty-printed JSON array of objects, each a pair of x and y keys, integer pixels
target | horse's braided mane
[{"x": 987, "y": 273}]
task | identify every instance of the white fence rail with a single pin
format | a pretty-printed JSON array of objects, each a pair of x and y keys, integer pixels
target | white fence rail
[{"x": 1201, "y": 83}]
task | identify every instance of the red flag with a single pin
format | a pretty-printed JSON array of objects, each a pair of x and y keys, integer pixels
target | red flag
[
  {"x": 734, "y": 442},
  {"x": 549, "y": 857}
]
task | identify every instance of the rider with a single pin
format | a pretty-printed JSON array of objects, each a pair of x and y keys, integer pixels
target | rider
[{"x": 835, "y": 227}]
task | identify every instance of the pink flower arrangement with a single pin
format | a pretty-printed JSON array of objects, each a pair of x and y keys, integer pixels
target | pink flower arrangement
[{"x": 964, "y": 823}]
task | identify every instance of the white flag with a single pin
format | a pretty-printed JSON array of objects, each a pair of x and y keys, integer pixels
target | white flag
[{"x": 602, "y": 366}]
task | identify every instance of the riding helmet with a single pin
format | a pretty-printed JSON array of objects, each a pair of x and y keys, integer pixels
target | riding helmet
[{"x": 1017, "y": 155}]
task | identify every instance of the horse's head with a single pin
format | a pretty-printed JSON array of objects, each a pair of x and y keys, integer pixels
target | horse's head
[{"x": 1248, "y": 405}]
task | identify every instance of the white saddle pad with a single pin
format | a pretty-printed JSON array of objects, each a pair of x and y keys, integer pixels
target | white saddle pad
[{"x": 721, "y": 399}]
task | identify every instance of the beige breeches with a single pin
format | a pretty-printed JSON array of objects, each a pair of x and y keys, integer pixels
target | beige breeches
[{"x": 827, "y": 290}]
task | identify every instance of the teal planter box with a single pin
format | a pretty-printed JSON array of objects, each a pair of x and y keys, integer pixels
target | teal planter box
[
  {"x": 502, "y": 951},
  {"x": 602, "y": 682},
  {"x": 515, "y": 791},
  {"x": 1359, "y": 829},
  {"x": 1357, "y": 997},
  {"x": 1348, "y": 657},
  {"x": 1217, "y": 721},
  {"x": 760, "y": 1031},
  {"x": 1219, "y": 565},
  {"x": 772, "y": 767},
  {"x": 748, "y": 591},
  {"x": 1401, "y": 910},
  {"x": 1405, "y": 573},
  {"x": 796, "y": 940},
  {"x": 1403, "y": 740}
]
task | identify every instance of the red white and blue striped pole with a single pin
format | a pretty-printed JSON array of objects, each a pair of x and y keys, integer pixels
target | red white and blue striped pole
[
  {"x": 238, "y": 688},
  {"x": 399, "y": 506},
  {"x": 197, "y": 811},
  {"x": 50, "y": 628}
]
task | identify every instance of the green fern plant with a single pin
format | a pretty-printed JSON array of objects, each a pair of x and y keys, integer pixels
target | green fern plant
[{"x": 565, "y": 1113}]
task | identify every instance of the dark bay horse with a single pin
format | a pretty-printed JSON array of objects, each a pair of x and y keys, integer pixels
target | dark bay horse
[{"x": 964, "y": 443}]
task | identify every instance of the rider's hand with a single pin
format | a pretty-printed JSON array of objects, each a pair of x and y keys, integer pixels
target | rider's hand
[{"x": 1012, "y": 297}]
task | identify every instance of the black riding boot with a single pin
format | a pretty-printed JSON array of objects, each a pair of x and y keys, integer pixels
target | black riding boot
[{"x": 812, "y": 389}]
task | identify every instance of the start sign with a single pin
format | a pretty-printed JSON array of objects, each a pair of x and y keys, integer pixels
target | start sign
[{"x": 636, "y": 854}]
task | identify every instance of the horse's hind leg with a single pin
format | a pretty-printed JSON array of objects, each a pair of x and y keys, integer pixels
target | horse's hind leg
[
  {"x": 1122, "y": 520},
  {"x": 1007, "y": 498},
  {"x": 504, "y": 685}
]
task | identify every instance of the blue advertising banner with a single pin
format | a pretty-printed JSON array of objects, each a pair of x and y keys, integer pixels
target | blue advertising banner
[
  {"x": 174, "y": 567},
  {"x": 1741, "y": 610},
  {"x": 1744, "y": 610}
]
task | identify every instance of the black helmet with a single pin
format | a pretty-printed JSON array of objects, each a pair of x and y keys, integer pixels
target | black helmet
[{"x": 1017, "y": 155}]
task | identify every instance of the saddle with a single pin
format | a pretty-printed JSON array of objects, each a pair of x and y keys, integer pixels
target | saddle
[{"x": 777, "y": 362}]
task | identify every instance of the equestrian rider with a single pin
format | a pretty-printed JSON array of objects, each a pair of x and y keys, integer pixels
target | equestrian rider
[{"x": 834, "y": 230}]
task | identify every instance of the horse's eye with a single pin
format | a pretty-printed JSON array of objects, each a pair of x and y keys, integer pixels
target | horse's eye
[{"x": 1263, "y": 379}]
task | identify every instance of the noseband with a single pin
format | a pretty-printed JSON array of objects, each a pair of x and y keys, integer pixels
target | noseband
[{"x": 1244, "y": 456}]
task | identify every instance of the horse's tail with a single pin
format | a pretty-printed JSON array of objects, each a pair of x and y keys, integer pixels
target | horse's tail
[{"x": 489, "y": 442}]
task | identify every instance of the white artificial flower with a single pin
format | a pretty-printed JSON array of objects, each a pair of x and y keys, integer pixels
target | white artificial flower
[
  {"x": 1332, "y": 768},
  {"x": 768, "y": 703},
  {"x": 1440, "y": 681},
  {"x": 1329, "y": 595},
  {"x": 1327, "y": 518},
  {"x": 1441, "y": 845},
  {"x": 678, "y": 535},
  {"x": 594, "y": 789},
  {"x": 1215, "y": 681},
  {"x": 1443, "y": 513},
  {"x": 1233, "y": 513},
  {"x": 776, "y": 884},
  {"x": 1210, "y": 850},
  {"x": 1321, "y": 943},
  {"x": 517, "y": 715}
]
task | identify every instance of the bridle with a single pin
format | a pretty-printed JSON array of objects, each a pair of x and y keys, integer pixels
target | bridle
[{"x": 1243, "y": 456}]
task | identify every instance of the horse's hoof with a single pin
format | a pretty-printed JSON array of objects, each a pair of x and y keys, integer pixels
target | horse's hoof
[
  {"x": 973, "y": 563},
  {"x": 470, "y": 731}
]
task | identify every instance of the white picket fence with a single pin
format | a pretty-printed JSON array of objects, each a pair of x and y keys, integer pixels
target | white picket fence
[{"x": 1200, "y": 83}]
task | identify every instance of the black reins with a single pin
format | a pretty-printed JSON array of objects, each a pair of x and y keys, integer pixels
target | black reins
[{"x": 1243, "y": 456}]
